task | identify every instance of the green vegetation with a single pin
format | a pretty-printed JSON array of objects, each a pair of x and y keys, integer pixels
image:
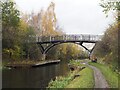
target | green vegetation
[
  {"x": 107, "y": 50},
  {"x": 108, "y": 47},
  {"x": 85, "y": 80},
  {"x": 110, "y": 75},
  {"x": 77, "y": 62},
  {"x": 16, "y": 32},
  {"x": 61, "y": 82},
  {"x": 109, "y": 5}
]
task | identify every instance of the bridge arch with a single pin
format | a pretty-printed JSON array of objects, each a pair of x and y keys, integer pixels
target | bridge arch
[{"x": 45, "y": 50}]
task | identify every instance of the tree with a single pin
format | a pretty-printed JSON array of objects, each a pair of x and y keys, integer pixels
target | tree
[
  {"x": 10, "y": 14},
  {"x": 16, "y": 34},
  {"x": 34, "y": 20},
  {"x": 49, "y": 24},
  {"x": 10, "y": 23},
  {"x": 29, "y": 50},
  {"x": 108, "y": 47},
  {"x": 111, "y": 5}
]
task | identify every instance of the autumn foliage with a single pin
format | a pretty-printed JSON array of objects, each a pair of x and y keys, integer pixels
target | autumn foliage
[{"x": 18, "y": 27}]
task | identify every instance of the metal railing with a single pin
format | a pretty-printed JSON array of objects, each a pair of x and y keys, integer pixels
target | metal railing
[{"x": 80, "y": 37}]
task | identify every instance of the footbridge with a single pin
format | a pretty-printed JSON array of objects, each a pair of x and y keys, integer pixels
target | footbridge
[{"x": 47, "y": 42}]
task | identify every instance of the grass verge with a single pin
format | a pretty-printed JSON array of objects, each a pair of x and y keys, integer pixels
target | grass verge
[
  {"x": 61, "y": 81},
  {"x": 86, "y": 79},
  {"x": 110, "y": 75}
]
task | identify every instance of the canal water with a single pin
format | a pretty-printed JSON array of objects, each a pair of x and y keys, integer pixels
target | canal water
[{"x": 38, "y": 77}]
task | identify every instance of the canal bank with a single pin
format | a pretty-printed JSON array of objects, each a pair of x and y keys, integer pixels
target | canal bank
[
  {"x": 80, "y": 77},
  {"x": 29, "y": 63}
]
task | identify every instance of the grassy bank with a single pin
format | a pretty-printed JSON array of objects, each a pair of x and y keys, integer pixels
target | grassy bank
[
  {"x": 61, "y": 81},
  {"x": 110, "y": 75},
  {"x": 85, "y": 80}
]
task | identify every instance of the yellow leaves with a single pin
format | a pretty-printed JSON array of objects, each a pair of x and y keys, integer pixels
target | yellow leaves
[
  {"x": 6, "y": 51},
  {"x": 74, "y": 50},
  {"x": 44, "y": 23},
  {"x": 23, "y": 25},
  {"x": 69, "y": 50},
  {"x": 63, "y": 48},
  {"x": 17, "y": 48},
  {"x": 49, "y": 21}
]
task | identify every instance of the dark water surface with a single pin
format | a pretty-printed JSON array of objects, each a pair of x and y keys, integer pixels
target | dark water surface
[{"x": 33, "y": 77}]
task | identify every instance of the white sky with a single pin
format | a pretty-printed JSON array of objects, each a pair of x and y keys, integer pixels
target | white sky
[{"x": 74, "y": 16}]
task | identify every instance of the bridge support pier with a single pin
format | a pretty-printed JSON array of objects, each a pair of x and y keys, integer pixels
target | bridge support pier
[
  {"x": 45, "y": 49},
  {"x": 43, "y": 56}
]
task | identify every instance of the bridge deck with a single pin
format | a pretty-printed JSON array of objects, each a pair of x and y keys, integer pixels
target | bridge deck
[
  {"x": 69, "y": 38},
  {"x": 66, "y": 41}
]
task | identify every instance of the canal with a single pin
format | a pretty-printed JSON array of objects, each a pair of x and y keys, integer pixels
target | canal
[{"x": 38, "y": 77}]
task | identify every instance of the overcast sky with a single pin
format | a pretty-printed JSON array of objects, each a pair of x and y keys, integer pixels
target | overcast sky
[{"x": 74, "y": 16}]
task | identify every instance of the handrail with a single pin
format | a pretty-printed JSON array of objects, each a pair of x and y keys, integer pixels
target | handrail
[{"x": 80, "y": 37}]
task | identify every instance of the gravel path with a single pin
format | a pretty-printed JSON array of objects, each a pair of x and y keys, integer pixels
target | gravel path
[{"x": 100, "y": 81}]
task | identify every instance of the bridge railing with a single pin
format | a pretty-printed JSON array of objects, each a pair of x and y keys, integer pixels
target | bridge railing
[{"x": 69, "y": 38}]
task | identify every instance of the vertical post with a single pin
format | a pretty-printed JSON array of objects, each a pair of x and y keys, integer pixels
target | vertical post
[
  {"x": 89, "y": 37},
  {"x": 50, "y": 38},
  {"x": 43, "y": 56},
  {"x": 63, "y": 37},
  {"x": 53, "y": 38}
]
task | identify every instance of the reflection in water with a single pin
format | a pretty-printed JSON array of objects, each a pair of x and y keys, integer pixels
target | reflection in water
[{"x": 33, "y": 77}]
